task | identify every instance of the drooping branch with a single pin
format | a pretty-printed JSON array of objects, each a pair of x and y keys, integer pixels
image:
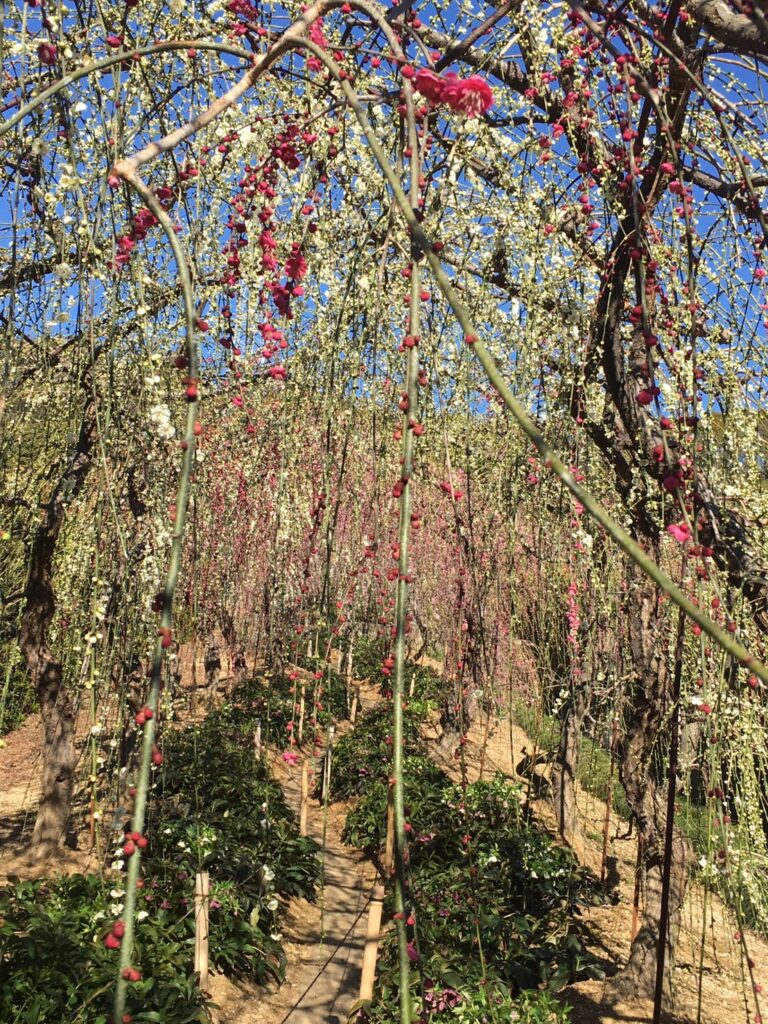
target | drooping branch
[{"x": 648, "y": 565}]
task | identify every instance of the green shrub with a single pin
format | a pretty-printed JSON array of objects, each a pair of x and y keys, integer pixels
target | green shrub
[
  {"x": 496, "y": 903},
  {"x": 366, "y": 823},
  {"x": 428, "y": 686},
  {"x": 17, "y": 696},
  {"x": 275, "y": 702},
  {"x": 364, "y": 755},
  {"x": 489, "y": 1002},
  {"x": 594, "y": 768},
  {"x": 54, "y": 965},
  {"x": 217, "y": 809},
  {"x": 214, "y": 807},
  {"x": 368, "y": 654}
]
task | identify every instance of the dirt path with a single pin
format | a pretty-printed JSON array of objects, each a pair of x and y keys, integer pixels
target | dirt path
[
  {"x": 20, "y": 766},
  {"x": 323, "y": 941},
  {"x": 329, "y": 982}
]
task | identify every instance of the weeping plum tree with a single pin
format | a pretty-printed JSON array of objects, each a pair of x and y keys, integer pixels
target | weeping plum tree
[{"x": 563, "y": 200}]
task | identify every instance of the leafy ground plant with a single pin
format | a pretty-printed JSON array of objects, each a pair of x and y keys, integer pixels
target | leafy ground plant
[
  {"x": 495, "y": 904},
  {"x": 274, "y": 703},
  {"x": 58, "y": 939},
  {"x": 55, "y": 966},
  {"x": 364, "y": 755}
]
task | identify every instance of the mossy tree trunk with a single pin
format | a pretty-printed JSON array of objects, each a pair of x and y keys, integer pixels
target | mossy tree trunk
[{"x": 44, "y": 667}]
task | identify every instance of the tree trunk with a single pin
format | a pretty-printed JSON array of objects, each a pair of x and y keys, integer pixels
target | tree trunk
[
  {"x": 640, "y": 754},
  {"x": 45, "y": 670},
  {"x": 641, "y": 969},
  {"x": 563, "y": 777},
  {"x": 212, "y": 664},
  {"x": 59, "y": 760}
]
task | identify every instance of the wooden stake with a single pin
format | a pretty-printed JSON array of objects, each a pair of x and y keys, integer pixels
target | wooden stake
[
  {"x": 304, "y": 797},
  {"x": 355, "y": 702},
  {"x": 371, "y": 951},
  {"x": 301, "y": 711},
  {"x": 257, "y": 739},
  {"x": 201, "y": 929}
]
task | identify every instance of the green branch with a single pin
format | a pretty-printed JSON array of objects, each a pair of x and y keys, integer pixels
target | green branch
[{"x": 166, "y": 617}]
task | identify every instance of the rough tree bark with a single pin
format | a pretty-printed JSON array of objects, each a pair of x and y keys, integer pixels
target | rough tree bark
[
  {"x": 44, "y": 667},
  {"x": 645, "y": 787},
  {"x": 596, "y": 654},
  {"x": 564, "y": 769}
]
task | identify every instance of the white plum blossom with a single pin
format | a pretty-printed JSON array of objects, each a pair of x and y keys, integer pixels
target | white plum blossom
[{"x": 160, "y": 415}]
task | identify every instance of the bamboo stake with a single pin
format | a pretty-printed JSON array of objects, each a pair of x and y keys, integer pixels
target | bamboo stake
[
  {"x": 371, "y": 950},
  {"x": 355, "y": 703},
  {"x": 304, "y": 797},
  {"x": 257, "y": 739},
  {"x": 194, "y": 678},
  {"x": 327, "y": 772},
  {"x": 636, "y": 900},
  {"x": 486, "y": 740},
  {"x": 201, "y": 929},
  {"x": 302, "y": 707}
]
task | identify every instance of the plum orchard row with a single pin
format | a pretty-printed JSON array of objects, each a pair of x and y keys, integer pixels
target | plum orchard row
[{"x": 588, "y": 221}]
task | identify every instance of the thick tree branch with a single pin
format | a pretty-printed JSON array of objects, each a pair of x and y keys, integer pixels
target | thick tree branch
[{"x": 735, "y": 31}]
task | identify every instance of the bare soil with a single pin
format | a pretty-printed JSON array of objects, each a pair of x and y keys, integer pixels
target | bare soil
[
  {"x": 324, "y": 940},
  {"x": 20, "y": 772}
]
